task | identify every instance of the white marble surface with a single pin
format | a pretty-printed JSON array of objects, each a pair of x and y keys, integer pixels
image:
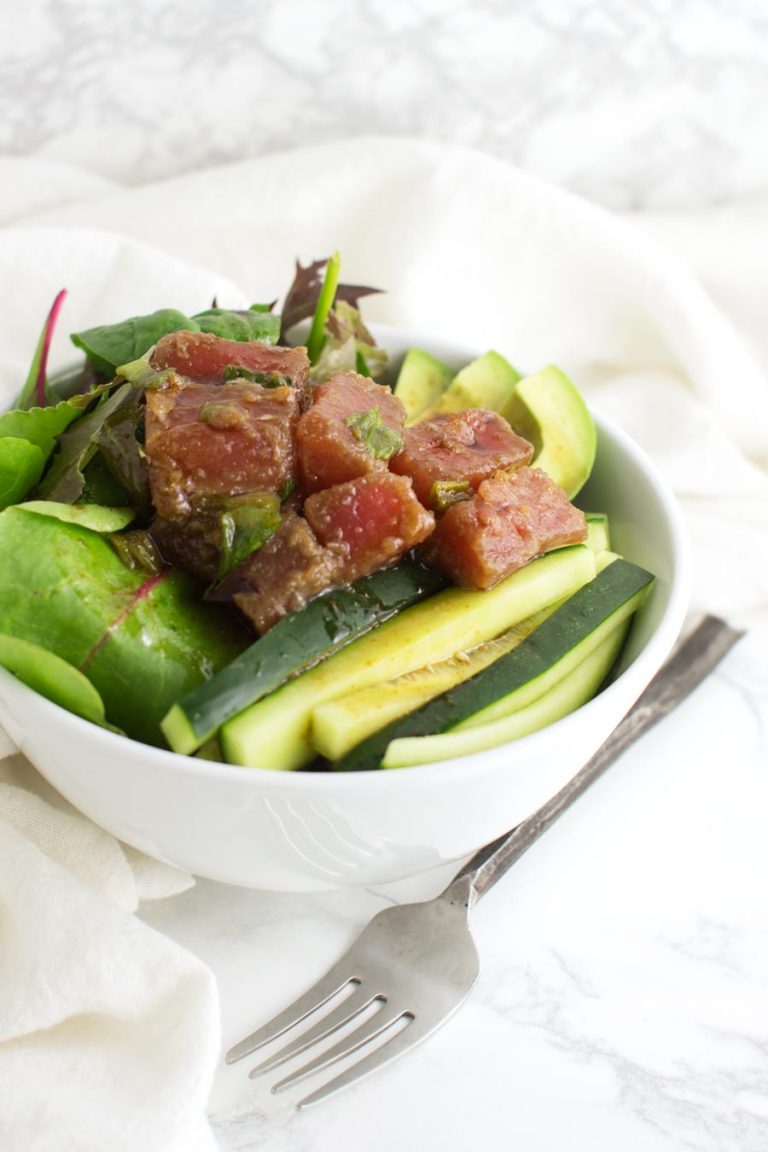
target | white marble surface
[
  {"x": 623, "y": 1000},
  {"x": 656, "y": 104}
]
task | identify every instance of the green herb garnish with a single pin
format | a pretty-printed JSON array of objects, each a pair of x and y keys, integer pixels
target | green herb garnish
[
  {"x": 378, "y": 438},
  {"x": 246, "y": 528},
  {"x": 444, "y": 493},
  {"x": 324, "y": 305},
  {"x": 266, "y": 379}
]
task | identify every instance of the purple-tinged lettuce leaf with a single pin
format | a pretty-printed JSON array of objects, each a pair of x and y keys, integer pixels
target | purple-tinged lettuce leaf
[
  {"x": 119, "y": 439},
  {"x": 65, "y": 480},
  {"x": 142, "y": 641},
  {"x": 36, "y": 390},
  {"x": 302, "y": 296}
]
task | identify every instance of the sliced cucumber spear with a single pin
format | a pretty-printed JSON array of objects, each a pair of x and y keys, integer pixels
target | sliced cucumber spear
[
  {"x": 298, "y": 641},
  {"x": 568, "y": 694},
  {"x": 276, "y": 732},
  {"x": 338, "y": 725},
  {"x": 556, "y": 648}
]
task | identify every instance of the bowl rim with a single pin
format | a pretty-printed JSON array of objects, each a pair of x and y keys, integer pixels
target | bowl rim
[{"x": 549, "y": 738}]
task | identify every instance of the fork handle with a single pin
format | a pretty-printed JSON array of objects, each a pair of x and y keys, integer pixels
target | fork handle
[{"x": 695, "y": 658}]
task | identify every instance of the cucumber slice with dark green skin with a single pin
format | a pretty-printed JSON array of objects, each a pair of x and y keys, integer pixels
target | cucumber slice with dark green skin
[
  {"x": 568, "y": 694},
  {"x": 297, "y": 642},
  {"x": 570, "y": 634},
  {"x": 276, "y": 732}
]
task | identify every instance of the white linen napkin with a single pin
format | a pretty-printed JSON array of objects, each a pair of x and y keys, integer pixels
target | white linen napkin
[{"x": 112, "y": 1044}]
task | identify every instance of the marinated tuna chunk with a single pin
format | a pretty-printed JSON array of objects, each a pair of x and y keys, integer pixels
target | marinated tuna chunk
[
  {"x": 285, "y": 574},
  {"x": 461, "y": 448},
  {"x": 368, "y": 522},
  {"x": 513, "y": 517},
  {"x": 208, "y": 440},
  {"x": 353, "y": 427},
  {"x": 203, "y": 356}
]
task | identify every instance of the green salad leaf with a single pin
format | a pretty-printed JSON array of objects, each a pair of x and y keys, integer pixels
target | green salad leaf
[
  {"x": 53, "y": 678},
  {"x": 93, "y": 516},
  {"x": 256, "y": 324},
  {"x": 39, "y": 426},
  {"x": 65, "y": 479},
  {"x": 245, "y": 528},
  {"x": 109, "y": 345},
  {"x": 21, "y": 466},
  {"x": 36, "y": 390},
  {"x": 142, "y": 641}
]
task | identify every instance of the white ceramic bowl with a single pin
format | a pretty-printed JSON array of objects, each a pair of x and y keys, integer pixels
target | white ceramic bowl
[{"x": 306, "y": 831}]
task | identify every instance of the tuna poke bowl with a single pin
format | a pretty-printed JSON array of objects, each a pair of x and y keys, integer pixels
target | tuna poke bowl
[{"x": 294, "y": 602}]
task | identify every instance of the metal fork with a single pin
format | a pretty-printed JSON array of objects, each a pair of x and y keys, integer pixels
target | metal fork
[{"x": 415, "y": 964}]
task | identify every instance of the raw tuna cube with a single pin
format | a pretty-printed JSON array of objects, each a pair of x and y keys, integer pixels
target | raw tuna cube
[
  {"x": 285, "y": 573},
  {"x": 462, "y": 446},
  {"x": 191, "y": 544},
  {"x": 513, "y": 517},
  {"x": 369, "y": 522},
  {"x": 207, "y": 440},
  {"x": 352, "y": 428},
  {"x": 202, "y": 356}
]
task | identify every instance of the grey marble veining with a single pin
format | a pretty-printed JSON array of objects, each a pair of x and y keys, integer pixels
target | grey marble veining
[{"x": 656, "y": 104}]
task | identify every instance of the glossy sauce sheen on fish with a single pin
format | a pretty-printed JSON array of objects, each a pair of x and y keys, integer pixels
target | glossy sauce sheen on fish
[
  {"x": 463, "y": 446},
  {"x": 330, "y": 449},
  {"x": 357, "y": 488},
  {"x": 207, "y": 440}
]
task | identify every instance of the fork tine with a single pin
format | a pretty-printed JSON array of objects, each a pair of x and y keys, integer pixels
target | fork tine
[
  {"x": 320, "y": 993},
  {"x": 396, "y": 1046},
  {"x": 356, "y": 1040},
  {"x": 347, "y": 1011}
]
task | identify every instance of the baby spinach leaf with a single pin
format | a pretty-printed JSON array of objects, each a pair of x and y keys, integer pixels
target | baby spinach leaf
[
  {"x": 255, "y": 324},
  {"x": 93, "y": 516},
  {"x": 110, "y": 345},
  {"x": 39, "y": 426},
  {"x": 36, "y": 389},
  {"x": 21, "y": 466},
  {"x": 142, "y": 641},
  {"x": 52, "y": 677}
]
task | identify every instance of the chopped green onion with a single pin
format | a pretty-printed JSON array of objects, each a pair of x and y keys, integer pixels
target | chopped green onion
[
  {"x": 324, "y": 305},
  {"x": 378, "y": 438},
  {"x": 444, "y": 493}
]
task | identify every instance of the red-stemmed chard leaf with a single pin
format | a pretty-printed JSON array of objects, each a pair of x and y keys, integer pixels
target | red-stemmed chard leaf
[
  {"x": 142, "y": 640},
  {"x": 36, "y": 391}
]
